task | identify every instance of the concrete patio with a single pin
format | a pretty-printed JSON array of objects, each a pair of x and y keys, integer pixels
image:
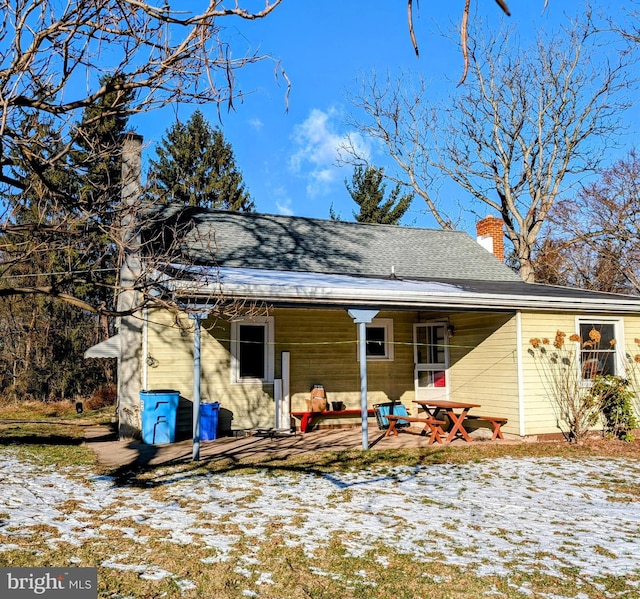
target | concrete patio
[{"x": 112, "y": 452}]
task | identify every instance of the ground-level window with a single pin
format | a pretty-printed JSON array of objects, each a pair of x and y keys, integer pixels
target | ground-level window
[
  {"x": 598, "y": 351},
  {"x": 252, "y": 350},
  {"x": 379, "y": 342}
]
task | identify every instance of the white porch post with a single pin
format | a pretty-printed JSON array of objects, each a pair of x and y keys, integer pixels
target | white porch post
[
  {"x": 286, "y": 392},
  {"x": 520, "y": 367},
  {"x": 197, "y": 321},
  {"x": 362, "y": 318}
]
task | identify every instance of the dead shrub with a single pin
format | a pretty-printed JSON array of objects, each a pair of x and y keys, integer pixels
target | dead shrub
[{"x": 102, "y": 397}]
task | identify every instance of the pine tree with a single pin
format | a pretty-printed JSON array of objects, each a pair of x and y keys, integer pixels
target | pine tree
[
  {"x": 70, "y": 207},
  {"x": 42, "y": 356},
  {"x": 98, "y": 139},
  {"x": 368, "y": 191},
  {"x": 196, "y": 167}
]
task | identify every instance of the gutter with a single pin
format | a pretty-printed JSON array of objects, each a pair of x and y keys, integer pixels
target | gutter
[{"x": 408, "y": 300}]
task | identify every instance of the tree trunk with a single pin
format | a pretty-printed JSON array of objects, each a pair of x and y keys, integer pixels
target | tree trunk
[{"x": 527, "y": 274}]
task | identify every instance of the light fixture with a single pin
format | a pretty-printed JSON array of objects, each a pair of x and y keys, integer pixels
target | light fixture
[{"x": 450, "y": 330}]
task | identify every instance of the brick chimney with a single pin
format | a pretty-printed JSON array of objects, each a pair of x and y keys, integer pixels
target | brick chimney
[{"x": 490, "y": 231}]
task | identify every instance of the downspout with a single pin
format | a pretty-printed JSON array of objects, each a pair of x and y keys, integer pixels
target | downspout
[
  {"x": 145, "y": 348},
  {"x": 520, "y": 368}
]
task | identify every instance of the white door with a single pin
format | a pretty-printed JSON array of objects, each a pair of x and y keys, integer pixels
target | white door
[{"x": 431, "y": 360}]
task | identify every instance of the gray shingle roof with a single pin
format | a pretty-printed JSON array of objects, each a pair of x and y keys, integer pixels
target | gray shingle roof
[{"x": 262, "y": 241}]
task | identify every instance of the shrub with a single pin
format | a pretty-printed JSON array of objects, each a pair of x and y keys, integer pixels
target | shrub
[
  {"x": 615, "y": 400},
  {"x": 103, "y": 397},
  {"x": 562, "y": 375}
]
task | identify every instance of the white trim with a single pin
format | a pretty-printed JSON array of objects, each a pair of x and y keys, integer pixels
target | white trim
[
  {"x": 387, "y": 325},
  {"x": 269, "y": 359},
  {"x": 618, "y": 335},
  {"x": 286, "y": 385},
  {"x": 432, "y": 366},
  {"x": 520, "y": 375}
]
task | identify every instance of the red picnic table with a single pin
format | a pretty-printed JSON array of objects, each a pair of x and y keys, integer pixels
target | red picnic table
[{"x": 456, "y": 412}]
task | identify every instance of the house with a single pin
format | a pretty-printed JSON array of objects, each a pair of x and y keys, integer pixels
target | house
[{"x": 450, "y": 320}]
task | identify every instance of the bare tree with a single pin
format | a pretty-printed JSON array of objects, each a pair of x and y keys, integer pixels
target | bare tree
[
  {"x": 59, "y": 59},
  {"x": 596, "y": 234},
  {"x": 529, "y": 122}
]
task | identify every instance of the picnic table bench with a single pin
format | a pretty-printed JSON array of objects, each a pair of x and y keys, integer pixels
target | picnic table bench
[
  {"x": 496, "y": 422},
  {"x": 308, "y": 419},
  {"x": 435, "y": 426},
  {"x": 455, "y": 411}
]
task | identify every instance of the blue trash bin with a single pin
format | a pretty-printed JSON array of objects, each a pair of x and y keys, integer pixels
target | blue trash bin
[
  {"x": 159, "y": 412},
  {"x": 209, "y": 421}
]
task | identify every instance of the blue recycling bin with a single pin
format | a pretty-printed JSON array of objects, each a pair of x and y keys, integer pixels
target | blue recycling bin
[
  {"x": 209, "y": 421},
  {"x": 159, "y": 414}
]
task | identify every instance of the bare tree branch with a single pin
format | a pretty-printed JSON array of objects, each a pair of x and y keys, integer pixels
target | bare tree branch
[
  {"x": 57, "y": 62},
  {"x": 530, "y": 122}
]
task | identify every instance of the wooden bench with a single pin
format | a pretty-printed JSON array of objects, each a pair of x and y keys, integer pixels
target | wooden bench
[
  {"x": 496, "y": 422},
  {"x": 434, "y": 426},
  {"x": 308, "y": 419}
]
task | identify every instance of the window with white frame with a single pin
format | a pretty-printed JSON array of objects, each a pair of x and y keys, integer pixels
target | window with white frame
[
  {"x": 252, "y": 350},
  {"x": 379, "y": 342},
  {"x": 598, "y": 354}
]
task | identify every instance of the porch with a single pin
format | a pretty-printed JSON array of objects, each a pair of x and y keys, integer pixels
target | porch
[{"x": 112, "y": 452}]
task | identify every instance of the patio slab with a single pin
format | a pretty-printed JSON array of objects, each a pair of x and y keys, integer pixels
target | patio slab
[{"x": 112, "y": 452}]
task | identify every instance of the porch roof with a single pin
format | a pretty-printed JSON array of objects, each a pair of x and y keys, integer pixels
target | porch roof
[{"x": 291, "y": 288}]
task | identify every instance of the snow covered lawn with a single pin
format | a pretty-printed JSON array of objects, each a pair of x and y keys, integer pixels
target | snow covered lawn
[{"x": 510, "y": 527}]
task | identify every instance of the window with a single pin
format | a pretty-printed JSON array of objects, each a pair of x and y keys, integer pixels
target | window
[
  {"x": 598, "y": 354},
  {"x": 379, "y": 342},
  {"x": 252, "y": 352}
]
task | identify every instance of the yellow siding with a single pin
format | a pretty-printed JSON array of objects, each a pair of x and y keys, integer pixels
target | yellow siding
[
  {"x": 323, "y": 351},
  {"x": 322, "y": 346},
  {"x": 484, "y": 365},
  {"x": 539, "y": 408},
  {"x": 251, "y": 404}
]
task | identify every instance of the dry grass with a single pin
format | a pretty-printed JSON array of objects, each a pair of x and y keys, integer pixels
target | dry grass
[{"x": 267, "y": 566}]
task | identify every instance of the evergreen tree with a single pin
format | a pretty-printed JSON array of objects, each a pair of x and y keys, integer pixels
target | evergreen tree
[
  {"x": 70, "y": 207},
  {"x": 368, "y": 191},
  {"x": 196, "y": 167},
  {"x": 44, "y": 339},
  {"x": 98, "y": 139},
  {"x": 96, "y": 159}
]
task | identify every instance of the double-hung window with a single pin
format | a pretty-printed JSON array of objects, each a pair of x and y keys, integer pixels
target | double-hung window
[
  {"x": 252, "y": 351},
  {"x": 598, "y": 352},
  {"x": 379, "y": 341}
]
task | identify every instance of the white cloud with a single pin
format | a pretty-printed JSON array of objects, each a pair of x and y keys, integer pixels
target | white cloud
[
  {"x": 284, "y": 207},
  {"x": 319, "y": 145},
  {"x": 257, "y": 124},
  {"x": 282, "y": 201}
]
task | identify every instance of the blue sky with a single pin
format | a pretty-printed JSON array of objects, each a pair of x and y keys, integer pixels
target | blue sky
[{"x": 288, "y": 157}]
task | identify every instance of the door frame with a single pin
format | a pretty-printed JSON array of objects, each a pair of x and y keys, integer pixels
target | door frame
[{"x": 440, "y": 392}]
